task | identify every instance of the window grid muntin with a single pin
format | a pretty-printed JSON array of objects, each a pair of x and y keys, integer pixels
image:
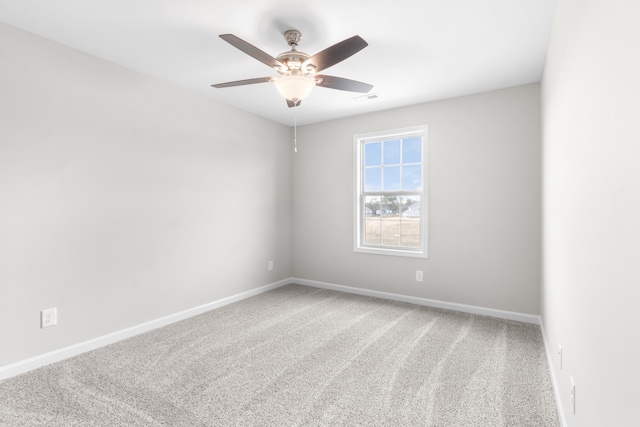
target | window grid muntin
[
  {"x": 382, "y": 165},
  {"x": 363, "y": 219}
]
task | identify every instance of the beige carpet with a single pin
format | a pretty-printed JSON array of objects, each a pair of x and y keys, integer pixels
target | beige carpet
[{"x": 300, "y": 356}]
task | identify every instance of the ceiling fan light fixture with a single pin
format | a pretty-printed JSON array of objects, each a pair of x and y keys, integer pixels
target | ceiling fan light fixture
[
  {"x": 298, "y": 70},
  {"x": 294, "y": 87}
]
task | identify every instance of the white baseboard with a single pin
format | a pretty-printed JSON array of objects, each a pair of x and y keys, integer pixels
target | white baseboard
[
  {"x": 26, "y": 365},
  {"x": 510, "y": 315},
  {"x": 554, "y": 380},
  {"x": 23, "y": 366},
  {"x": 92, "y": 344},
  {"x": 501, "y": 314}
]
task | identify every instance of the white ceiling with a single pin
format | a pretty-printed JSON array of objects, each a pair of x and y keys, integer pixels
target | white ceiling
[{"x": 419, "y": 50}]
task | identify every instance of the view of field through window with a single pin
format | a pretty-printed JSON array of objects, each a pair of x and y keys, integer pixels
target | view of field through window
[{"x": 392, "y": 221}]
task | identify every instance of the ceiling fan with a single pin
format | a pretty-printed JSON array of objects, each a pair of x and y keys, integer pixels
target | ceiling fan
[{"x": 298, "y": 70}]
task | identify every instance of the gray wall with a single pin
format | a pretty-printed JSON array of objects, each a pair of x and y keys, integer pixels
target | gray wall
[
  {"x": 484, "y": 202},
  {"x": 124, "y": 199},
  {"x": 591, "y": 216}
]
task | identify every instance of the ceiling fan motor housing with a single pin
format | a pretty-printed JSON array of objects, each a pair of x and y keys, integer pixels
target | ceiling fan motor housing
[
  {"x": 292, "y": 37},
  {"x": 294, "y": 59}
]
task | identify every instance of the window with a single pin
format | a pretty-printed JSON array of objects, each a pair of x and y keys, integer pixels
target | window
[{"x": 390, "y": 192}]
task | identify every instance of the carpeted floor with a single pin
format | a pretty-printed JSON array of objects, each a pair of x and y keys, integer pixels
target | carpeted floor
[{"x": 300, "y": 356}]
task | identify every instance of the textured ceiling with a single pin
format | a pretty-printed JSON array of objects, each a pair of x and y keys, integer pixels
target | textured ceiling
[{"x": 419, "y": 50}]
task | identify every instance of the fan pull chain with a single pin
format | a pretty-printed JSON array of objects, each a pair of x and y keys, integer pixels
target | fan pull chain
[{"x": 295, "y": 133}]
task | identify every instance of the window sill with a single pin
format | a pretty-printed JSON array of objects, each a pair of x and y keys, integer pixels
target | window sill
[{"x": 392, "y": 252}]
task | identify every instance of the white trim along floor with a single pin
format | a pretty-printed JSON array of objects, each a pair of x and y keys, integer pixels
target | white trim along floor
[{"x": 82, "y": 347}]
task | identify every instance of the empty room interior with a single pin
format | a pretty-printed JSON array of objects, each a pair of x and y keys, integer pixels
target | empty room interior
[{"x": 135, "y": 197}]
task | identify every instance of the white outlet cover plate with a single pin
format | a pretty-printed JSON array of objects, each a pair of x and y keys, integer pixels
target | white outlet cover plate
[
  {"x": 560, "y": 354},
  {"x": 573, "y": 396},
  {"x": 48, "y": 317}
]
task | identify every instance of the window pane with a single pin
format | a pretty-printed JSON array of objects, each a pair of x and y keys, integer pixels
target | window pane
[
  {"x": 392, "y": 178},
  {"x": 412, "y": 177},
  {"x": 391, "y": 232},
  {"x": 372, "y": 231},
  {"x": 372, "y": 153},
  {"x": 371, "y": 206},
  {"x": 389, "y": 205},
  {"x": 410, "y": 228},
  {"x": 392, "y": 152},
  {"x": 410, "y": 206},
  {"x": 410, "y": 236},
  {"x": 411, "y": 151},
  {"x": 373, "y": 179}
]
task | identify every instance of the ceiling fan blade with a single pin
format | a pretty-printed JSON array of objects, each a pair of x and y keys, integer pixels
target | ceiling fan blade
[
  {"x": 292, "y": 104},
  {"x": 243, "y": 82},
  {"x": 251, "y": 50},
  {"x": 340, "y": 83},
  {"x": 336, "y": 53}
]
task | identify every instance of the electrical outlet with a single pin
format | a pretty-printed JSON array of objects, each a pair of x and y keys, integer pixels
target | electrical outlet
[
  {"x": 560, "y": 355},
  {"x": 48, "y": 317},
  {"x": 418, "y": 276},
  {"x": 573, "y": 396},
  {"x": 270, "y": 265}
]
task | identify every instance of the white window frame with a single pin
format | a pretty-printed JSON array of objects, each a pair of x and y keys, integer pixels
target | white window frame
[{"x": 359, "y": 195}]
